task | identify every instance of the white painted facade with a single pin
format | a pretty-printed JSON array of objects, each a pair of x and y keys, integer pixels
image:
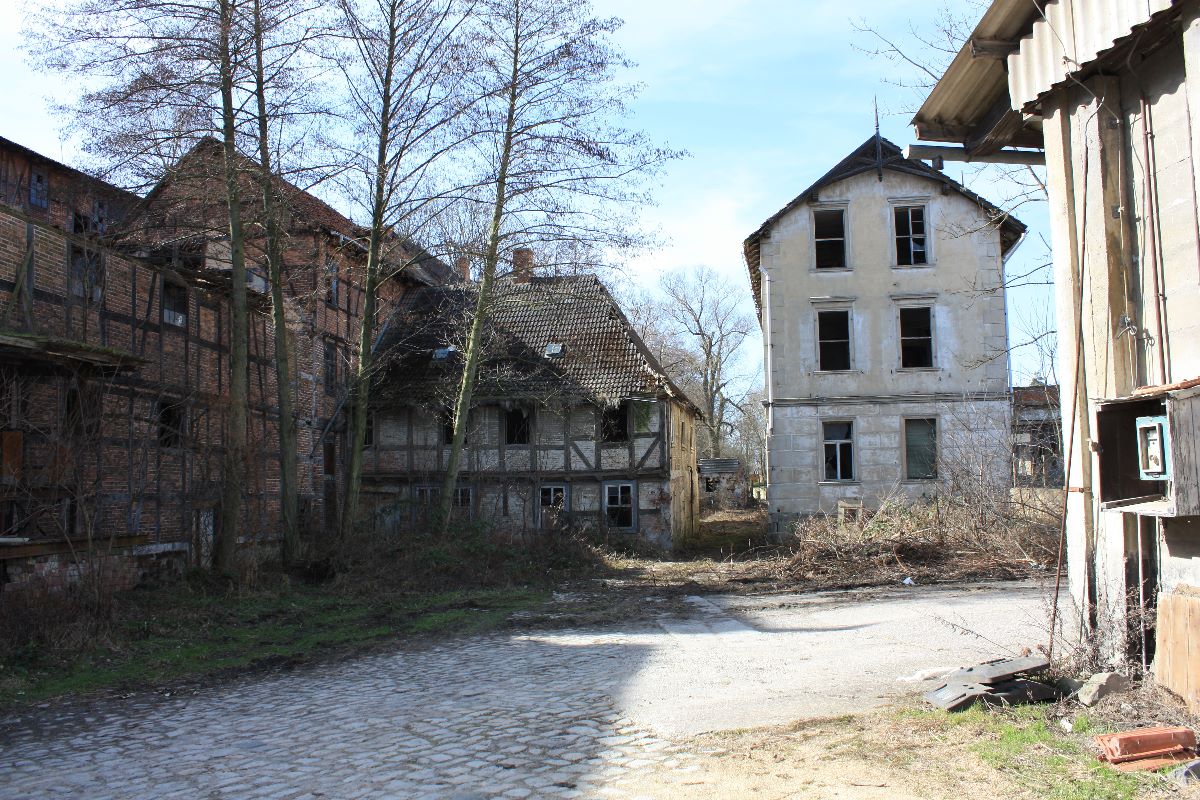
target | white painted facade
[{"x": 964, "y": 386}]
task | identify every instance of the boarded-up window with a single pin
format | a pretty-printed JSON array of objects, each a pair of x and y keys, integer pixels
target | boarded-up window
[
  {"x": 916, "y": 337},
  {"x": 920, "y": 449},
  {"x": 829, "y": 226},
  {"x": 833, "y": 340}
]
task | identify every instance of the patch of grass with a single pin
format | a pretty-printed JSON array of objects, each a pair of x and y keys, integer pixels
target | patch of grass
[
  {"x": 1026, "y": 746},
  {"x": 177, "y": 633}
]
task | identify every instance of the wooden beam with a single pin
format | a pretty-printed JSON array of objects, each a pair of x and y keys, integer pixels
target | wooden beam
[
  {"x": 997, "y": 49},
  {"x": 928, "y": 152}
]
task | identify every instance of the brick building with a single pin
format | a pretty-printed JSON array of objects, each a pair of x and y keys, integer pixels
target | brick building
[{"x": 114, "y": 350}]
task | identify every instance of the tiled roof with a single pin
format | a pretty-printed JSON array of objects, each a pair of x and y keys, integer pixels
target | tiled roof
[{"x": 602, "y": 359}]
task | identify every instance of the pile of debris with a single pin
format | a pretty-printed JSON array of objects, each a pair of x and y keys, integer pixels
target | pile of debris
[{"x": 1014, "y": 681}]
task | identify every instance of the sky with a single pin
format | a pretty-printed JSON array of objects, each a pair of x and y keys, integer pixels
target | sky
[{"x": 766, "y": 96}]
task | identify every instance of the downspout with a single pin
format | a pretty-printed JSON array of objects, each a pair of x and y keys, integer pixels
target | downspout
[{"x": 1155, "y": 231}]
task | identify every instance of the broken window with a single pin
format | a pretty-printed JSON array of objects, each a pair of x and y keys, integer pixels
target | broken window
[
  {"x": 331, "y": 282},
  {"x": 920, "y": 449},
  {"x": 839, "y": 450},
  {"x": 614, "y": 423},
  {"x": 170, "y": 420},
  {"x": 462, "y": 497},
  {"x": 175, "y": 304},
  {"x": 829, "y": 226},
  {"x": 618, "y": 505},
  {"x": 516, "y": 426},
  {"x": 916, "y": 337},
  {"x": 369, "y": 430},
  {"x": 553, "y": 496},
  {"x": 85, "y": 274},
  {"x": 331, "y": 366},
  {"x": 99, "y": 216},
  {"x": 711, "y": 484},
  {"x": 426, "y": 495},
  {"x": 833, "y": 340},
  {"x": 329, "y": 455},
  {"x": 910, "y": 236},
  {"x": 39, "y": 189}
]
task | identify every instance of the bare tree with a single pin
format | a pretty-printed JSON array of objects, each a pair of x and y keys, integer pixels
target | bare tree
[
  {"x": 557, "y": 166},
  {"x": 170, "y": 72},
  {"x": 403, "y": 85},
  {"x": 710, "y": 311}
]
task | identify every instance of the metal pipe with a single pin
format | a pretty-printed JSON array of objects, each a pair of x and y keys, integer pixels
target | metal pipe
[{"x": 1151, "y": 215}]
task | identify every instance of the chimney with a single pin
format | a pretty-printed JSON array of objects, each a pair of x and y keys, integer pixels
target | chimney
[
  {"x": 522, "y": 261},
  {"x": 463, "y": 265}
]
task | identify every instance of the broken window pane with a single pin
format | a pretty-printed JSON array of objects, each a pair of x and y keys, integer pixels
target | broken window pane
[
  {"x": 920, "y": 449},
  {"x": 910, "y": 236},
  {"x": 916, "y": 337},
  {"x": 829, "y": 227},
  {"x": 175, "y": 304},
  {"x": 618, "y": 505},
  {"x": 833, "y": 340},
  {"x": 614, "y": 423},
  {"x": 170, "y": 421},
  {"x": 839, "y": 451},
  {"x": 516, "y": 426},
  {"x": 86, "y": 274}
]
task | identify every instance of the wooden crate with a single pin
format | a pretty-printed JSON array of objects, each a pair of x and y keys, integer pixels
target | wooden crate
[{"x": 1177, "y": 653}]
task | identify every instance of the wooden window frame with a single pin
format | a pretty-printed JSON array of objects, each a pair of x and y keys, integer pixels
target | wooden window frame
[
  {"x": 633, "y": 504},
  {"x": 841, "y": 448},
  {"x": 844, "y": 212}
]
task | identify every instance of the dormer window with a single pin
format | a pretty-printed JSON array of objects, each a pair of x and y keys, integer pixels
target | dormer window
[{"x": 829, "y": 228}]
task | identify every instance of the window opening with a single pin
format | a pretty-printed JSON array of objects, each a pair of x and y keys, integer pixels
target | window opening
[
  {"x": 711, "y": 484},
  {"x": 331, "y": 282},
  {"x": 833, "y": 340},
  {"x": 829, "y": 226},
  {"x": 516, "y": 426},
  {"x": 462, "y": 497},
  {"x": 920, "y": 449},
  {"x": 618, "y": 505},
  {"x": 39, "y": 189},
  {"x": 614, "y": 423},
  {"x": 916, "y": 338},
  {"x": 553, "y": 496},
  {"x": 169, "y": 417},
  {"x": 329, "y": 455},
  {"x": 331, "y": 366},
  {"x": 426, "y": 495},
  {"x": 910, "y": 236},
  {"x": 86, "y": 274},
  {"x": 369, "y": 430},
  {"x": 839, "y": 451},
  {"x": 175, "y": 304}
]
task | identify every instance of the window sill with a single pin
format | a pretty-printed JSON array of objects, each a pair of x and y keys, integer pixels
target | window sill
[
  {"x": 921, "y": 481},
  {"x": 902, "y": 267},
  {"x": 836, "y": 372},
  {"x": 824, "y": 270},
  {"x": 918, "y": 369},
  {"x": 839, "y": 483}
]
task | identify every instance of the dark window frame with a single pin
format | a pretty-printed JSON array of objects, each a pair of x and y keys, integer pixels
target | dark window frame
[
  {"x": 518, "y": 426},
  {"x": 916, "y": 344},
  {"x": 614, "y": 423},
  {"x": 171, "y": 421},
  {"x": 85, "y": 274},
  {"x": 837, "y": 448},
  {"x": 39, "y": 189},
  {"x": 834, "y": 353},
  {"x": 912, "y": 247},
  {"x": 830, "y": 246},
  {"x": 332, "y": 285},
  {"x": 330, "y": 365},
  {"x": 621, "y": 515},
  {"x": 174, "y": 298},
  {"x": 931, "y": 462}
]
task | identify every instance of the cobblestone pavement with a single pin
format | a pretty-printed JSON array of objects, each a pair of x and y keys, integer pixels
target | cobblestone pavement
[{"x": 538, "y": 715}]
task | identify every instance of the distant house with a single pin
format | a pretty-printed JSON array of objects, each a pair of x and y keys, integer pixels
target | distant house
[
  {"x": 884, "y": 333},
  {"x": 723, "y": 482},
  {"x": 1037, "y": 437},
  {"x": 1108, "y": 92},
  {"x": 574, "y": 420}
]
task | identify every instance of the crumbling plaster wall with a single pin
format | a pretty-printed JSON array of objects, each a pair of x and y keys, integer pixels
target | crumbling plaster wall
[{"x": 969, "y": 379}]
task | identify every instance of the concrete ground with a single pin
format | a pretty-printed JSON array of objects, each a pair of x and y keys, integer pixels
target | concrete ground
[{"x": 570, "y": 713}]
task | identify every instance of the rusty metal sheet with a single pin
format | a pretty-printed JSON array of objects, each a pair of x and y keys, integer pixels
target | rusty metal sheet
[
  {"x": 1000, "y": 669},
  {"x": 958, "y": 696}
]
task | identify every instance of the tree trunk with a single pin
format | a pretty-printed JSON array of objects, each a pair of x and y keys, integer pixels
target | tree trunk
[
  {"x": 225, "y": 554},
  {"x": 366, "y": 338},
  {"x": 466, "y": 392},
  {"x": 289, "y": 484}
]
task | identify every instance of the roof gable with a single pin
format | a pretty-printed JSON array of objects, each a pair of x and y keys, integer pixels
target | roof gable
[{"x": 876, "y": 154}]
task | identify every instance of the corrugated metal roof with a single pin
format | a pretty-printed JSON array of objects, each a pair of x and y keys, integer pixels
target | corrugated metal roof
[{"x": 718, "y": 466}]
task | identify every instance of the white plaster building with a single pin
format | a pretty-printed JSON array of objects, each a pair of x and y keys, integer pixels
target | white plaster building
[{"x": 879, "y": 295}]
